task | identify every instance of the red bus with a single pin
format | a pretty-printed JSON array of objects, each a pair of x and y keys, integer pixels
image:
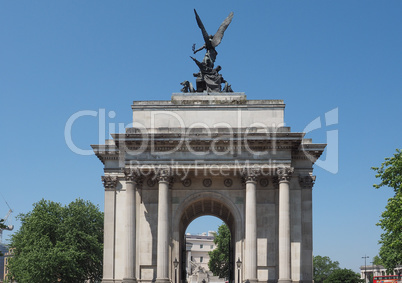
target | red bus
[{"x": 386, "y": 279}]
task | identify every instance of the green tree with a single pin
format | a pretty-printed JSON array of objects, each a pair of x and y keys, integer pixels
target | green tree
[
  {"x": 58, "y": 243},
  {"x": 391, "y": 239},
  {"x": 219, "y": 257},
  {"x": 390, "y": 173},
  {"x": 323, "y": 267},
  {"x": 343, "y": 276},
  {"x": 377, "y": 260}
]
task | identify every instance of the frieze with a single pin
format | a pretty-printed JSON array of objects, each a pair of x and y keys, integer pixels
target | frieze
[
  {"x": 205, "y": 146},
  {"x": 151, "y": 182},
  {"x": 264, "y": 182},
  {"x": 228, "y": 182},
  {"x": 163, "y": 172},
  {"x": 186, "y": 182},
  {"x": 207, "y": 182},
  {"x": 275, "y": 182}
]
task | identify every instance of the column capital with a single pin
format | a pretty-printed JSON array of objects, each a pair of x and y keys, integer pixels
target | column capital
[
  {"x": 132, "y": 175},
  {"x": 250, "y": 175},
  {"x": 109, "y": 182},
  {"x": 307, "y": 181},
  {"x": 284, "y": 173},
  {"x": 165, "y": 176}
]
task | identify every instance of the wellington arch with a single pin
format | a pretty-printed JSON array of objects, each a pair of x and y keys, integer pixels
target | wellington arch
[{"x": 214, "y": 154}]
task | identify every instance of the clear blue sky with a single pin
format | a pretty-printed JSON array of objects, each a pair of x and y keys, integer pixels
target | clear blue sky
[{"x": 61, "y": 57}]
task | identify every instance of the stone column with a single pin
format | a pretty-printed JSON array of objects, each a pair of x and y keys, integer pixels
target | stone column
[
  {"x": 110, "y": 183},
  {"x": 284, "y": 175},
  {"x": 162, "y": 269},
  {"x": 306, "y": 184},
  {"x": 250, "y": 255},
  {"x": 132, "y": 182}
]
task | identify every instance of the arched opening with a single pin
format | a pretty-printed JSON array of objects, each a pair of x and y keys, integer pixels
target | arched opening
[
  {"x": 211, "y": 204},
  {"x": 203, "y": 224},
  {"x": 199, "y": 243}
]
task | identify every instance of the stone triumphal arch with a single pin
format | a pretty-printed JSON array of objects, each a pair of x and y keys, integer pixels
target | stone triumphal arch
[{"x": 217, "y": 154}]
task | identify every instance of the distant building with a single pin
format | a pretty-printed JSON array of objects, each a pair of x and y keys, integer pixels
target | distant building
[
  {"x": 3, "y": 250},
  {"x": 377, "y": 270},
  {"x": 197, "y": 248},
  {"x": 7, "y": 257}
]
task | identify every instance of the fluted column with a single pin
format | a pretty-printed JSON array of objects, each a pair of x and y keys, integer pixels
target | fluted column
[
  {"x": 250, "y": 254},
  {"x": 284, "y": 175},
  {"x": 162, "y": 269},
  {"x": 306, "y": 184},
  {"x": 133, "y": 180},
  {"x": 110, "y": 183}
]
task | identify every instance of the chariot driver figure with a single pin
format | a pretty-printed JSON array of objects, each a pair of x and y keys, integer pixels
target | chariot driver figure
[{"x": 211, "y": 41}]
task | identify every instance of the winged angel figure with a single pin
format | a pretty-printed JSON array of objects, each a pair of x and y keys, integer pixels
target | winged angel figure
[{"x": 212, "y": 41}]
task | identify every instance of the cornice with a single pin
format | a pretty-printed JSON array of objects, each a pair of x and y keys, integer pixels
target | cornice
[{"x": 254, "y": 143}]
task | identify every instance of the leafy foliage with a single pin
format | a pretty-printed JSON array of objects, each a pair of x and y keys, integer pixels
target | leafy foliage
[
  {"x": 343, "y": 276},
  {"x": 390, "y": 173},
  {"x": 323, "y": 267},
  {"x": 58, "y": 244},
  {"x": 377, "y": 260},
  {"x": 391, "y": 239},
  {"x": 219, "y": 257}
]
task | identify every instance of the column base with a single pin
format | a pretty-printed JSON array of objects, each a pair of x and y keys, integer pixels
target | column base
[
  {"x": 108, "y": 281},
  {"x": 285, "y": 281},
  {"x": 129, "y": 280}
]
